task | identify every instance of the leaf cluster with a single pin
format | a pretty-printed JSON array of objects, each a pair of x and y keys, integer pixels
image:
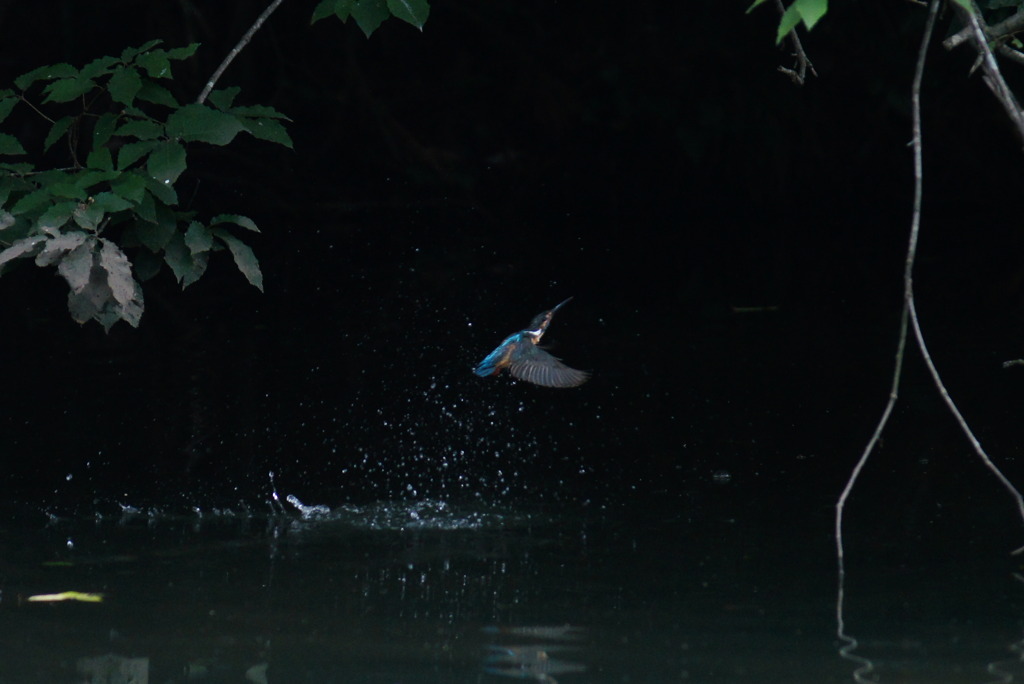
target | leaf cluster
[
  {"x": 370, "y": 14},
  {"x": 126, "y": 138}
]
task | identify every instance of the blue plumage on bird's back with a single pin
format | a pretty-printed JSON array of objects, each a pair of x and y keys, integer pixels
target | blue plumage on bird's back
[
  {"x": 499, "y": 358},
  {"x": 526, "y": 361}
]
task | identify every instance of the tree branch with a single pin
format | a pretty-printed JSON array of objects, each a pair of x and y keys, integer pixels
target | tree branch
[
  {"x": 1011, "y": 54},
  {"x": 993, "y": 76},
  {"x": 908, "y": 289},
  {"x": 978, "y": 449},
  {"x": 803, "y": 62},
  {"x": 238, "y": 48},
  {"x": 1003, "y": 29}
]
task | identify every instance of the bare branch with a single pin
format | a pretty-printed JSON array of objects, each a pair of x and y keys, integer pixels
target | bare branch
[
  {"x": 978, "y": 449},
  {"x": 1011, "y": 54},
  {"x": 908, "y": 285},
  {"x": 993, "y": 76},
  {"x": 1003, "y": 29},
  {"x": 238, "y": 48}
]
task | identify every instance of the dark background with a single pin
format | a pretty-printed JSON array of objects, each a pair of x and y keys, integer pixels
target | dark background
[{"x": 448, "y": 185}]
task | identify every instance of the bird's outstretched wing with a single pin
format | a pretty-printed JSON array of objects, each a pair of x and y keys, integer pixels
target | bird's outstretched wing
[{"x": 535, "y": 365}]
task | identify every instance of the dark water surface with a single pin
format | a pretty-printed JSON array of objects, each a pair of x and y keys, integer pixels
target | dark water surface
[{"x": 427, "y": 591}]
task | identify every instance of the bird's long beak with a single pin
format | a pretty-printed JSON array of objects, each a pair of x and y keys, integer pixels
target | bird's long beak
[{"x": 560, "y": 305}]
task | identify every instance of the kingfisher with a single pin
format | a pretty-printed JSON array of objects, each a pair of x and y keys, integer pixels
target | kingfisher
[{"x": 526, "y": 361}]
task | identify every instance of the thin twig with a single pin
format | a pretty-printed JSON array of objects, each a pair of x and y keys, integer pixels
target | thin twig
[
  {"x": 865, "y": 666},
  {"x": 238, "y": 48},
  {"x": 803, "y": 62},
  {"x": 908, "y": 315},
  {"x": 908, "y": 280},
  {"x": 849, "y": 643},
  {"x": 1003, "y": 29},
  {"x": 994, "y": 79},
  {"x": 34, "y": 108},
  {"x": 1011, "y": 54},
  {"x": 978, "y": 449}
]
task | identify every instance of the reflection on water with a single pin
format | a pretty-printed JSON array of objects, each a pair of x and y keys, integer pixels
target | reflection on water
[
  {"x": 943, "y": 624},
  {"x": 546, "y": 655},
  {"x": 435, "y": 591}
]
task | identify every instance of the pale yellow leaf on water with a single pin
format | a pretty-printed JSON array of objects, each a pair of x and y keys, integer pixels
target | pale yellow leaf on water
[{"x": 68, "y": 596}]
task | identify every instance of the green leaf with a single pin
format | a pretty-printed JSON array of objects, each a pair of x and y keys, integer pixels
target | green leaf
[
  {"x": 166, "y": 162},
  {"x": 237, "y": 219},
  {"x": 323, "y": 9},
  {"x": 259, "y": 112},
  {"x": 44, "y": 178},
  {"x": 88, "y": 215},
  {"x": 965, "y": 4},
  {"x": 103, "y": 129},
  {"x": 155, "y": 235},
  {"x": 204, "y": 124},
  {"x": 755, "y": 4},
  {"x": 15, "y": 169},
  {"x": 128, "y": 54},
  {"x": 45, "y": 73},
  {"x": 111, "y": 202},
  {"x": 90, "y": 177},
  {"x": 57, "y": 215},
  {"x": 244, "y": 257},
  {"x": 146, "y": 264},
  {"x": 98, "y": 67},
  {"x": 119, "y": 273},
  {"x": 224, "y": 98},
  {"x": 132, "y": 152},
  {"x": 155, "y": 64},
  {"x": 99, "y": 158},
  {"x": 130, "y": 186},
  {"x": 55, "y": 248},
  {"x": 343, "y": 9},
  {"x": 146, "y": 210},
  {"x": 76, "y": 266},
  {"x": 57, "y": 130},
  {"x": 143, "y": 129},
  {"x": 6, "y": 105},
  {"x": 370, "y": 14},
  {"x": 66, "y": 188},
  {"x": 10, "y": 145},
  {"x": 157, "y": 94},
  {"x": 7, "y": 186},
  {"x": 164, "y": 192},
  {"x": 32, "y": 201},
  {"x": 811, "y": 11},
  {"x": 198, "y": 238},
  {"x": 790, "y": 18},
  {"x": 270, "y": 130},
  {"x": 21, "y": 249},
  {"x": 124, "y": 85},
  {"x": 414, "y": 12},
  {"x": 67, "y": 89},
  {"x": 183, "y": 52},
  {"x": 188, "y": 266}
]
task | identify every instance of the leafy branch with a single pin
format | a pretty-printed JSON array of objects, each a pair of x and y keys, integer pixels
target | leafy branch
[
  {"x": 125, "y": 140},
  {"x": 810, "y": 13}
]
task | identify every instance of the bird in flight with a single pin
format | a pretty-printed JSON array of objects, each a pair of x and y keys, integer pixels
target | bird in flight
[{"x": 527, "y": 361}]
